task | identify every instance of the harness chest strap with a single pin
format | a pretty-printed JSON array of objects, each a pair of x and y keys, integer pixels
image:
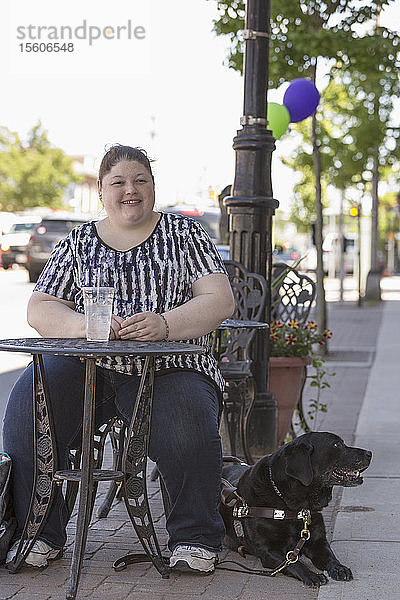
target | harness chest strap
[
  {"x": 231, "y": 498},
  {"x": 266, "y": 513}
]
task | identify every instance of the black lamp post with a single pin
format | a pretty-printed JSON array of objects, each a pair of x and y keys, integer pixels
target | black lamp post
[{"x": 251, "y": 206}]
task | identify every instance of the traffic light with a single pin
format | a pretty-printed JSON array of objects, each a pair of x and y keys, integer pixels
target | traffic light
[{"x": 354, "y": 211}]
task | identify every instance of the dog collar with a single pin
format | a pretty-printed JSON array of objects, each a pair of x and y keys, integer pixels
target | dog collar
[{"x": 274, "y": 484}]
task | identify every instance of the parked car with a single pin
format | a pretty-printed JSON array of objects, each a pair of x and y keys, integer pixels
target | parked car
[
  {"x": 7, "y": 219},
  {"x": 331, "y": 253},
  {"x": 285, "y": 253},
  {"x": 209, "y": 219},
  {"x": 15, "y": 242},
  {"x": 45, "y": 236}
]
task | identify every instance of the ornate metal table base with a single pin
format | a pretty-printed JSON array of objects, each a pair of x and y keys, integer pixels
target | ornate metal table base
[
  {"x": 134, "y": 461},
  {"x": 134, "y": 464},
  {"x": 45, "y": 463}
]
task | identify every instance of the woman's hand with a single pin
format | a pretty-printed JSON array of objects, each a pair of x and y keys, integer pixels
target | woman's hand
[
  {"x": 115, "y": 327},
  {"x": 146, "y": 326}
]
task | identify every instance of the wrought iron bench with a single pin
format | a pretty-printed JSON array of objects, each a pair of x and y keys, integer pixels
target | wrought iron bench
[
  {"x": 292, "y": 294},
  {"x": 233, "y": 355}
]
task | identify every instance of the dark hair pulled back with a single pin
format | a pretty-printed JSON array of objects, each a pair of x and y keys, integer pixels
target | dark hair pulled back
[{"x": 118, "y": 153}]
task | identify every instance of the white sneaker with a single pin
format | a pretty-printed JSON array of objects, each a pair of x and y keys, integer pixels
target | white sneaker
[
  {"x": 188, "y": 559},
  {"x": 38, "y": 556}
]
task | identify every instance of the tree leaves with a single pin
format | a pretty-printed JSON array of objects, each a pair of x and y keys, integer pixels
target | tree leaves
[
  {"x": 34, "y": 173},
  {"x": 302, "y": 31},
  {"x": 354, "y": 115}
]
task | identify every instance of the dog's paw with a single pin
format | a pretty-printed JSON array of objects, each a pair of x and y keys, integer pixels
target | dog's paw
[
  {"x": 314, "y": 580},
  {"x": 340, "y": 573}
]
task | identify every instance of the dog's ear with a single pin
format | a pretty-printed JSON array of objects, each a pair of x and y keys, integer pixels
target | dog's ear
[{"x": 298, "y": 462}]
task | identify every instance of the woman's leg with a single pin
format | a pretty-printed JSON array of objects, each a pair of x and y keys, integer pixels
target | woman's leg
[
  {"x": 186, "y": 445},
  {"x": 65, "y": 384}
]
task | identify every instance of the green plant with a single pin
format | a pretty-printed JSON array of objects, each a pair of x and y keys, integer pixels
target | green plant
[{"x": 319, "y": 382}]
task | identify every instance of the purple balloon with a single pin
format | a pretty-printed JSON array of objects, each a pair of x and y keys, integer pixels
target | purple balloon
[{"x": 301, "y": 99}]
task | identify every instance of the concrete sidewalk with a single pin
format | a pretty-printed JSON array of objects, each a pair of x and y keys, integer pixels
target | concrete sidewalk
[
  {"x": 358, "y": 333},
  {"x": 366, "y": 534}
]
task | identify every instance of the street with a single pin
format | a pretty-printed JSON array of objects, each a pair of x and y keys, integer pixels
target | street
[{"x": 15, "y": 293}]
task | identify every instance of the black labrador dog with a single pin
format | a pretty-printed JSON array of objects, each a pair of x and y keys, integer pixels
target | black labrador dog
[{"x": 299, "y": 475}]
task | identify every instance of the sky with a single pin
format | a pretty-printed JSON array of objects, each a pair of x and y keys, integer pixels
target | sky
[{"x": 165, "y": 89}]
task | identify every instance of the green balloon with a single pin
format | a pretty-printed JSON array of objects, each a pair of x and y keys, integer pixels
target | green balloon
[{"x": 278, "y": 119}]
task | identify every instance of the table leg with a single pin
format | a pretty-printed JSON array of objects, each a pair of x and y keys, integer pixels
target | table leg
[
  {"x": 86, "y": 484},
  {"x": 134, "y": 464},
  {"x": 44, "y": 465}
]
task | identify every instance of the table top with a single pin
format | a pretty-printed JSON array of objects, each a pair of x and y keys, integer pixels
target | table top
[
  {"x": 84, "y": 348},
  {"x": 237, "y": 323}
]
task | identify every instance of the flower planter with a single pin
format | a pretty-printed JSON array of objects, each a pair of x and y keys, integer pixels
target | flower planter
[{"x": 287, "y": 376}]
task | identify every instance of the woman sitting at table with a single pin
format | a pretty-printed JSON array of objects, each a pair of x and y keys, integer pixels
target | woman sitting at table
[{"x": 170, "y": 284}]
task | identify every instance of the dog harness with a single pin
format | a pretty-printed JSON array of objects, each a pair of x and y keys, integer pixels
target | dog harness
[{"x": 232, "y": 499}]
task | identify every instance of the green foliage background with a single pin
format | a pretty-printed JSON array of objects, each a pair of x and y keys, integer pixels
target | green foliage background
[
  {"x": 33, "y": 173},
  {"x": 355, "y": 111}
]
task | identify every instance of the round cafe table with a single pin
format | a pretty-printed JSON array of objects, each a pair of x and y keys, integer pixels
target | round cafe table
[{"x": 133, "y": 473}]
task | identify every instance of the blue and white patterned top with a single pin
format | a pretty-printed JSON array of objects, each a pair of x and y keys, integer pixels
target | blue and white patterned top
[{"x": 155, "y": 276}]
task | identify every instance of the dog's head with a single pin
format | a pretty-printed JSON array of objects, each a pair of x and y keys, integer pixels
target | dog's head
[{"x": 324, "y": 458}]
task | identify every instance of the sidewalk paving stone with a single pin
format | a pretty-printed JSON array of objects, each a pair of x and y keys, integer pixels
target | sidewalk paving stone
[{"x": 376, "y": 574}]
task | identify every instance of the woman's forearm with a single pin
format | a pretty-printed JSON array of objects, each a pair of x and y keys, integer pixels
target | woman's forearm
[
  {"x": 52, "y": 318},
  {"x": 198, "y": 316}
]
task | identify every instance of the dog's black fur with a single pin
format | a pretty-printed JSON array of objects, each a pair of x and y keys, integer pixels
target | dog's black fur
[{"x": 304, "y": 471}]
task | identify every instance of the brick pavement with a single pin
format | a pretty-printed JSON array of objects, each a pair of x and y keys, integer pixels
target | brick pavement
[{"x": 112, "y": 537}]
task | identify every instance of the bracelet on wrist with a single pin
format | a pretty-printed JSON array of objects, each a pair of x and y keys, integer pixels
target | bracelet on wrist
[{"x": 166, "y": 338}]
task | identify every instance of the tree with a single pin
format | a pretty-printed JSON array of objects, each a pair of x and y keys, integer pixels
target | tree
[
  {"x": 302, "y": 35},
  {"x": 343, "y": 164},
  {"x": 303, "y": 211},
  {"x": 32, "y": 173}
]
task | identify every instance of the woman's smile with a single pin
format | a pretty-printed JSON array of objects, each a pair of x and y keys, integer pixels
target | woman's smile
[{"x": 131, "y": 201}]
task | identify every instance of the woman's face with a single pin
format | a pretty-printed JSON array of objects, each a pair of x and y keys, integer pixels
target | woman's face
[{"x": 128, "y": 194}]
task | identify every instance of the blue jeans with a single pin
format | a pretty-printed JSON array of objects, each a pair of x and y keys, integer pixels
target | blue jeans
[{"x": 184, "y": 442}]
